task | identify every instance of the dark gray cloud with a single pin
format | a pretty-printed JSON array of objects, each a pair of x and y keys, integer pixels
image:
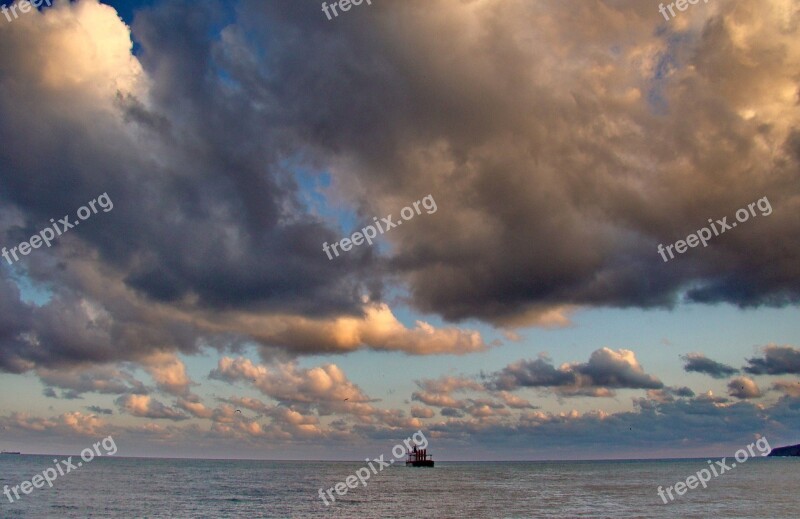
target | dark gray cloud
[
  {"x": 15, "y": 320},
  {"x": 100, "y": 410},
  {"x": 777, "y": 360},
  {"x": 533, "y": 373},
  {"x": 219, "y": 217},
  {"x": 550, "y": 197},
  {"x": 69, "y": 394},
  {"x": 678, "y": 426},
  {"x": 607, "y": 369},
  {"x": 451, "y": 412},
  {"x": 98, "y": 379},
  {"x": 486, "y": 144},
  {"x": 422, "y": 412},
  {"x": 199, "y": 213},
  {"x": 699, "y": 363},
  {"x": 668, "y": 394},
  {"x": 681, "y": 391}
]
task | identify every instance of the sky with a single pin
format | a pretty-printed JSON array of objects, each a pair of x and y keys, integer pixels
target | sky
[{"x": 176, "y": 180}]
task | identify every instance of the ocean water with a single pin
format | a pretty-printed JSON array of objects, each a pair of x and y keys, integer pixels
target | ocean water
[{"x": 135, "y": 487}]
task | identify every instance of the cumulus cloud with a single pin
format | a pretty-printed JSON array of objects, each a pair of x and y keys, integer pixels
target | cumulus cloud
[
  {"x": 312, "y": 393},
  {"x": 73, "y": 330},
  {"x": 194, "y": 407},
  {"x": 606, "y": 370},
  {"x": 646, "y": 124},
  {"x": 532, "y": 373},
  {"x": 681, "y": 391},
  {"x": 449, "y": 384},
  {"x": 699, "y": 363},
  {"x": 681, "y": 425},
  {"x": 744, "y": 388},
  {"x": 264, "y": 277},
  {"x": 787, "y": 387},
  {"x": 169, "y": 372},
  {"x": 99, "y": 410},
  {"x": 451, "y": 412},
  {"x": 253, "y": 404},
  {"x": 603, "y": 148},
  {"x": 668, "y": 394},
  {"x": 530, "y": 123},
  {"x": 97, "y": 379},
  {"x": 145, "y": 406},
  {"x": 377, "y": 328},
  {"x": 777, "y": 360},
  {"x": 67, "y": 424},
  {"x": 438, "y": 392},
  {"x": 437, "y": 400},
  {"x": 486, "y": 408},
  {"x": 289, "y": 383},
  {"x": 422, "y": 412},
  {"x": 285, "y": 424},
  {"x": 678, "y": 426},
  {"x": 514, "y": 401},
  {"x": 324, "y": 388},
  {"x": 709, "y": 396}
]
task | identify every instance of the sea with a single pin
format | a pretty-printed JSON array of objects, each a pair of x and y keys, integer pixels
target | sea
[{"x": 179, "y": 488}]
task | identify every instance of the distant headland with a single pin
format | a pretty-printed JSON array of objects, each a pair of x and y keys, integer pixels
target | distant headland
[{"x": 789, "y": 450}]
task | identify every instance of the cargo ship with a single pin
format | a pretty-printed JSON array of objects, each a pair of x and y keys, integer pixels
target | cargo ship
[{"x": 419, "y": 458}]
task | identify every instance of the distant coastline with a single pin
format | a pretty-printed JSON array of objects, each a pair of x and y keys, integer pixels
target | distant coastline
[{"x": 789, "y": 450}]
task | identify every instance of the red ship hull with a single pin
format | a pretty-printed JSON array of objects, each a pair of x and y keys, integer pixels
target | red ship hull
[{"x": 420, "y": 463}]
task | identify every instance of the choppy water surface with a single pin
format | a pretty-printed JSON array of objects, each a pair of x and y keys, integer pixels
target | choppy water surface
[{"x": 127, "y": 488}]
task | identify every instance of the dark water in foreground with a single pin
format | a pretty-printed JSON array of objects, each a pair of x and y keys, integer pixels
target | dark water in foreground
[{"x": 129, "y": 487}]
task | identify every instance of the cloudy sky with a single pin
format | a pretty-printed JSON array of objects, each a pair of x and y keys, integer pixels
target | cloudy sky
[{"x": 529, "y": 316}]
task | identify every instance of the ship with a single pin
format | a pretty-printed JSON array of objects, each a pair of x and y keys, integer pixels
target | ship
[
  {"x": 419, "y": 458},
  {"x": 10, "y": 453}
]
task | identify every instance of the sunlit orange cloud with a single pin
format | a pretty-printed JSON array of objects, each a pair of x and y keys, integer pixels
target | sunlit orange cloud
[
  {"x": 72, "y": 423},
  {"x": 196, "y": 409},
  {"x": 378, "y": 329},
  {"x": 514, "y": 401},
  {"x": 83, "y": 51},
  {"x": 145, "y": 406},
  {"x": 744, "y": 388},
  {"x": 325, "y": 389},
  {"x": 289, "y": 383},
  {"x": 168, "y": 371},
  {"x": 787, "y": 387}
]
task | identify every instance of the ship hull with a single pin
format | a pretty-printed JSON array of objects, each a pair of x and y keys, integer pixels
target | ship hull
[{"x": 420, "y": 463}]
